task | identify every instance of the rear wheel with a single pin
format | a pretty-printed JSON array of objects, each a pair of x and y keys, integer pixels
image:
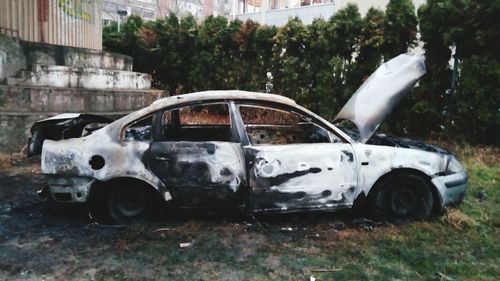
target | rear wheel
[
  {"x": 402, "y": 197},
  {"x": 128, "y": 203},
  {"x": 134, "y": 203},
  {"x": 125, "y": 201}
]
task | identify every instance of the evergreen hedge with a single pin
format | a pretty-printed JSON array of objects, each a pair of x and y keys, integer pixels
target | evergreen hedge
[{"x": 320, "y": 65}]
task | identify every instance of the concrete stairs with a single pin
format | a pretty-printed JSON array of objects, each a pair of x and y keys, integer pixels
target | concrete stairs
[
  {"x": 49, "y": 79},
  {"x": 80, "y": 77},
  {"x": 24, "y": 105},
  {"x": 48, "y": 54}
]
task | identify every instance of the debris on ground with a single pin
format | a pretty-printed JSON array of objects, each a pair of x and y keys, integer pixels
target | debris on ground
[
  {"x": 444, "y": 277},
  {"x": 458, "y": 219},
  {"x": 185, "y": 245},
  {"x": 481, "y": 195}
]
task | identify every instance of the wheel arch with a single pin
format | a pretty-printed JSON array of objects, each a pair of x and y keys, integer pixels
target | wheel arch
[
  {"x": 409, "y": 171},
  {"x": 100, "y": 187}
]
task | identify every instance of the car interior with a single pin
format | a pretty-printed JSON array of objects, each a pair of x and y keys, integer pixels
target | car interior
[
  {"x": 208, "y": 122},
  {"x": 266, "y": 125},
  {"x": 211, "y": 122}
]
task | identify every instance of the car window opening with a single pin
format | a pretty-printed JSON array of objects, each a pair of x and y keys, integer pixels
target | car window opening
[
  {"x": 140, "y": 130},
  {"x": 273, "y": 126},
  {"x": 209, "y": 122}
]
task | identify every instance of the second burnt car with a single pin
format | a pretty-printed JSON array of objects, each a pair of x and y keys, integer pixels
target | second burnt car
[{"x": 251, "y": 152}]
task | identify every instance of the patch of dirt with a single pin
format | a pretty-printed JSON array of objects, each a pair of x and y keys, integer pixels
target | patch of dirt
[
  {"x": 458, "y": 219},
  {"x": 42, "y": 240}
]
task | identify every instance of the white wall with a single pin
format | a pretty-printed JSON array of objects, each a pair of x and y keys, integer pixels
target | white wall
[
  {"x": 365, "y": 5},
  {"x": 280, "y": 17},
  {"x": 308, "y": 13}
]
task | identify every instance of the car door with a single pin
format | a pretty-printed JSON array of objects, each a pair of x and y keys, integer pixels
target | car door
[
  {"x": 294, "y": 163},
  {"x": 198, "y": 157}
]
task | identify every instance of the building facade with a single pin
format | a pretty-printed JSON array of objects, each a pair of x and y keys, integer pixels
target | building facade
[
  {"x": 277, "y": 12},
  {"x": 75, "y": 23},
  {"x": 147, "y": 9},
  {"x": 153, "y": 9}
]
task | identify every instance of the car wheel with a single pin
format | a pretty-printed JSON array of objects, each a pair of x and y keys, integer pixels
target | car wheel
[
  {"x": 402, "y": 197},
  {"x": 130, "y": 203}
]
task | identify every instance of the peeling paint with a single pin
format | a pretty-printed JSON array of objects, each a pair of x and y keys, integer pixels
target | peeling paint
[
  {"x": 272, "y": 177},
  {"x": 378, "y": 95}
]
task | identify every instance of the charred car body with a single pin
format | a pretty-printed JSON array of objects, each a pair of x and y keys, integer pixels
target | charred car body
[{"x": 253, "y": 152}]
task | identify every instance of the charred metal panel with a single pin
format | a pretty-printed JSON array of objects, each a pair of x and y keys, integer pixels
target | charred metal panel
[
  {"x": 76, "y": 189},
  {"x": 378, "y": 95},
  {"x": 76, "y": 158},
  {"x": 200, "y": 173},
  {"x": 380, "y": 160},
  {"x": 389, "y": 140},
  {"x": 62, "y": 126},
  {"x": 301, "y": 176}
]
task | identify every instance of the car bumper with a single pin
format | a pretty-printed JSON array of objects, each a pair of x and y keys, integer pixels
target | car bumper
[
  {"x": 68, "y": 189},
  {"x": 451, "y": 188}
]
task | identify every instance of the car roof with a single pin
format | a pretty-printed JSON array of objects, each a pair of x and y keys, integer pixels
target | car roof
[
  {"x": 207, "y": 96},
  {"x": 203, "y": 97},
  {"x": 200, "y": 97}
]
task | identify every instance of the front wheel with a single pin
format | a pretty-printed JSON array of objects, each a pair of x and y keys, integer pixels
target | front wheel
[{"x": 402, "y": 197}]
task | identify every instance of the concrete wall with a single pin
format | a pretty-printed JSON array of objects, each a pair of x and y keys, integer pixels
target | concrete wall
[
  {"x": 48, "y": 54},
  {"x": 78, "y": 77},
  {"x": 307, "y": 14},
  {"x": 45, "y": 80},
  {"x": 365, "y": 5},
  {"x": 12, "y": 58},
  {"x": 61, "y": 22},
  {"x": 22, "y": 106},
  {"x": 18, "y": 55},
  {"x": 280, "y": 17}
]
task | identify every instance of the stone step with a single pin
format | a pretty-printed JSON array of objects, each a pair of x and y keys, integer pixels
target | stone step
[
  {"x": 78, "y": 77},
  {"x": 48, "y": 54},
  {"x": 13, "y": 81},
  {"x": 24, "y": 105},
  {"x": 48, "y": 99}
]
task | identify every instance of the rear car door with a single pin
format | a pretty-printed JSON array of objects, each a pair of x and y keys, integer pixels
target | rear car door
[
  {"x": 198, "y": 157},
  {"x": 294, "y": 163}
]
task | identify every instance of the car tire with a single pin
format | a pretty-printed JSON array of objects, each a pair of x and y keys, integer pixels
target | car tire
[
  {"x": 402, "y": 197},
  {"x": 133, "y": 204}
]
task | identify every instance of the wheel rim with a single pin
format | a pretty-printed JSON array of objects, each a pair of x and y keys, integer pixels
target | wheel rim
[
  {"x": 404, "y": 201},
  {"x": 129, "y": 202}
]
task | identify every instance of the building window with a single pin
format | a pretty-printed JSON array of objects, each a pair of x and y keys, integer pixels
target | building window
[
  {"x": 148, "y": 15},
  {"x": 250, "y": 6},
  {"x": 110, "y": 7},
  {"x": 106, "y": 22},
  {"x": 136, "y": 11}
]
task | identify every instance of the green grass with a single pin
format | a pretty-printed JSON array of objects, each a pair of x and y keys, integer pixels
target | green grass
[{"x": 463, "y": 244}]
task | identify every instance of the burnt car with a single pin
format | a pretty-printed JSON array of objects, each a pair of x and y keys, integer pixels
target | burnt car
[{"x": 250, "y": 152}]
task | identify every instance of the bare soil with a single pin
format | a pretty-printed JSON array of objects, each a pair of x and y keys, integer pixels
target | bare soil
[
  {"x": 41, "y": 240},
  {"x": 44, "y": 240}
]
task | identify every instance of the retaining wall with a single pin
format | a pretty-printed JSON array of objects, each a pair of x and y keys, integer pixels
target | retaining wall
[{"x": 22, "y": 106}]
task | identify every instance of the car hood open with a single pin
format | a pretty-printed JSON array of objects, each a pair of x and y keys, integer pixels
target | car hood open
[{"x": 378, "y": 95}]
